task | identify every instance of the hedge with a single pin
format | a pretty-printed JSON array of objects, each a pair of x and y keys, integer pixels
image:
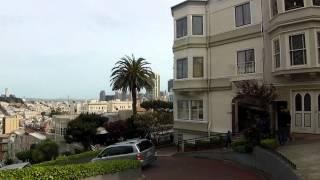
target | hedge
[
  {"x": 71, "y": 171},
  {"x": 72, "y": 159},
  {"x": 269, "y": 143}
]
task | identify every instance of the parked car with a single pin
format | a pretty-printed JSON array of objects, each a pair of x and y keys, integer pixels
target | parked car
[{"x": 138, "y": 149}]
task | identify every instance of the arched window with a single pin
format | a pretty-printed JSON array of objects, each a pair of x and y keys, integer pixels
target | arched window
[
  {"x": 298, "y": 101},
  {"x": 307, "y": 102}
]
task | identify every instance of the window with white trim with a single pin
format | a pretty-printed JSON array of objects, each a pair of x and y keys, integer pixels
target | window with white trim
[
  {"x": 197, "y": 67},
  {"x": 182, "y": 27},
  {"x": 182, "y": 68},
  {"x": 197, "y": 25},
  {"x": 318, "y": 38},
  {"x": 274, "y": 7},
  {"x": 293, "y": 4},
  {"x": 246, "y": 62},
  {"x": 183, "y": 110},
  {"x": 298, "y": 52},
  {"x": 243, "y": 14},
  {"x": 276, "y": 53},
  {"x": 190, "y": 110}
]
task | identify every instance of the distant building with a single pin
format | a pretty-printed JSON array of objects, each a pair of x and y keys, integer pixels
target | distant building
[
  {"x": 154, "y": 93},
  {"x": 10, "y": 124},
  {"x": 109, "y": 97},
  {"x": 4, "y": 141},
  {"x": 61, "y": 123},
  {"x": 6, "y": 92},
  {"x": 102, "y": 95}
]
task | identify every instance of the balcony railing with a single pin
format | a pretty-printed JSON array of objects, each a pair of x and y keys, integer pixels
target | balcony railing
[{"x": 247, "y": 67}]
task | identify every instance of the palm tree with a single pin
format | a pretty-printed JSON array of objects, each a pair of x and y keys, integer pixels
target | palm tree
[{"x": 133, "y": 75}]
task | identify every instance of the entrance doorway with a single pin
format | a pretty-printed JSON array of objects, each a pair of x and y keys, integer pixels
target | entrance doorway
[{"x": 306, "y": 112}]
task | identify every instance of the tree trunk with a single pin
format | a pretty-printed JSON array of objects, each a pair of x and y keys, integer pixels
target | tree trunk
[{"x": 134, "y": 101}]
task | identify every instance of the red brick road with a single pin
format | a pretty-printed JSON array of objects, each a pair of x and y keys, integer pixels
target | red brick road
[{"x": 185, "y": 168}]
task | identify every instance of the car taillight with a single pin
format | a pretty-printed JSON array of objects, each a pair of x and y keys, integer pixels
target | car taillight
[{"x": 139, "y": 157}]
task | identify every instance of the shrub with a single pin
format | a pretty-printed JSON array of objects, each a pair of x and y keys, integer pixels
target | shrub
[
  {"x": 242, "y": 146},
  {"x": 73, "y": 159},
  {"x": 24, "y": 155},
  {"x": 73, "y": 171},
  {"x": 269, "y": 143}
]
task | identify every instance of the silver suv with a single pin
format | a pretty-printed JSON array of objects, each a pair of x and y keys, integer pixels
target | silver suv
[{"x": 138, "y": 149}]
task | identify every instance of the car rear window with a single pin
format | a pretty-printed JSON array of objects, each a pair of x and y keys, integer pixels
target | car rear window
[
  {"x": 144, "y": 145},
  {"x": 119, "y": 150}
]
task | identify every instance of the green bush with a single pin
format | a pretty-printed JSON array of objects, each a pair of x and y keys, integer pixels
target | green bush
[
  {"x": 269, "y": 143},
  {"x": 242, "y": 146},
  {"x": 73, "y": 159},
  {"x": 24, "y": 155},
  {"x": 72, "y": 171}
]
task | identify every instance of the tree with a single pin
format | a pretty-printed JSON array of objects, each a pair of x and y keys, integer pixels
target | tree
[
  {"x": 133, "y": 75},
  {"x": 84, "y": 128},
  {"x": 157, "y": 105},
  {"x": 262, "y": 93}
]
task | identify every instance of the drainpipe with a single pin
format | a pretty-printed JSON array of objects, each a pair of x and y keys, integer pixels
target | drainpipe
[{"x": 208, "y": 67}]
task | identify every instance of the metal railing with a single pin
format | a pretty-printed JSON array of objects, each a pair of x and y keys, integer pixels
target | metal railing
[{"x": 205, "y": 142}]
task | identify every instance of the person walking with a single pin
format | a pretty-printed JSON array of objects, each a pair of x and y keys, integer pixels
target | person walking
[{"x": 284, "y": 124}]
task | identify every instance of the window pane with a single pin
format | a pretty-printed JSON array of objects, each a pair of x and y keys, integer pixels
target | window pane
[
  {"x": 274, "y": 7},
  {"x": 319, "y": 103},
  {"x": 293, "y": 4},
  {"x": 197, "y": 110},
  {"x": 276, "y": 52},
  {"x": 182, "y": 68},
  {"x": 181, "y": 27},
  {"x": 318, "y": 46},
  {"x": 316, "y": 2},
  {"x": 183, "y": 110},
  {"x": 246, "y": 61},
  {"x": 298, "y": 57},
  {"x": 307, "y": 102},
  {"x": 198, "y": 67},
  {"x": 246, "y": 14},
  {"x": 298, "y": 102},
  {"x": 297, "y": 41},
  {"x": 239, "y": 16},
  {"x": 250, "y": 55},
  {"x": 197, "y": 25}
]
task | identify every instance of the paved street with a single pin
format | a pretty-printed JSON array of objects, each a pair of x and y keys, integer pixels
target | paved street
[{"x": 186, "y": 168}]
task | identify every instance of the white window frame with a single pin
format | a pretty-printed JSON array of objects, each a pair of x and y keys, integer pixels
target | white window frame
[
  {"x": 203, "y": 26},
  {"x": 235, "y": 15},
  {"x": 190, "y": 111},
  {"x": 187, "y": 69},
  {"x": 274, "y": 54},
  {"x": 305, "y": 48},
  {"x": 317, "y": 45},
  {"x": 271, "y": 11},
  {"x": 176, "y": 27},
  {"x": 255, "y": 63}
]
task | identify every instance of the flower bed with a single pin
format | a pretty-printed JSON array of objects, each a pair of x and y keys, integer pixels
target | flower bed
[{"x": 71, "y": 171}]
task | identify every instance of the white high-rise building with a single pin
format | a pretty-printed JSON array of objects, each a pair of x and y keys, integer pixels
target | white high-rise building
[{"x": 154, "y": 93}]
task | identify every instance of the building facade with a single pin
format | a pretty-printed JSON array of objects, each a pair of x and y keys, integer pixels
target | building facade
[{"x": 218, "y": 43}]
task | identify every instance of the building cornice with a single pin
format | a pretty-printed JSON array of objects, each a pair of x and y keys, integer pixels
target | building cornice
[{"x": 188, "y": 2}]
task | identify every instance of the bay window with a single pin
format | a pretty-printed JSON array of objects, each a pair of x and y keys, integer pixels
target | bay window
[
  {"x": 197, "y": 25},
  {"x": 274, "y": 7},
  {"x": 276, "y": 53},
  {"x": 182, "y": 68}
]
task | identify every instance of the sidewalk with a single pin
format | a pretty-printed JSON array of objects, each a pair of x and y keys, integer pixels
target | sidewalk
[{"x": 304, "y": 151}]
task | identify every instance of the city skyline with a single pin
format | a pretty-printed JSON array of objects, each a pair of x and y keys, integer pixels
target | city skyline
[{"x": 49, "y": 52}]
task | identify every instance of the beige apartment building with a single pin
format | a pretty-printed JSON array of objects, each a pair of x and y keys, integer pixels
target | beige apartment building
[{"x": 218, "y": 43}]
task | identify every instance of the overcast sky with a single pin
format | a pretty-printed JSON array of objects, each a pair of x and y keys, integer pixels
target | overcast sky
[{"x": 61, "y": 48}]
